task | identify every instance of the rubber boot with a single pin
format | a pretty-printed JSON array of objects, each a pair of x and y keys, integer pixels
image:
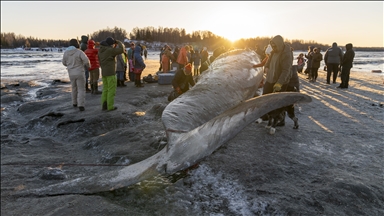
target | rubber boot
[
  {"x": 122, "y": 83},
  {"x": 104, "y": 106},
  {"x": 92, "y": 88},
  {"x": 118, "y": 83},
  {"x": 87, "y": 90},
  {"x": 139, "y": 83},
  {"x": 96, "y": 91}
]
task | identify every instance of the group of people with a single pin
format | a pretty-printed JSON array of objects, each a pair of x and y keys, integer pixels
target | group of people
[
  {"x": 184, "y": 79},
  {"x": 114, "y": 61},
  {"x": 180, "y": 57},
  {"x": 335, "y": 61}
]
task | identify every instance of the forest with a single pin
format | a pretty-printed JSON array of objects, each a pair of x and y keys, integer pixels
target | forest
[{"x": 176, "y": 36}]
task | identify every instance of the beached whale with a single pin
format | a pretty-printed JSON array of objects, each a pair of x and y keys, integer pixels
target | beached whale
[{"x": 198, "y": 122}]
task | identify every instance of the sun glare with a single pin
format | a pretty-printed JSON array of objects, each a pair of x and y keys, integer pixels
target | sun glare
[{"x": 235, "y": 21}]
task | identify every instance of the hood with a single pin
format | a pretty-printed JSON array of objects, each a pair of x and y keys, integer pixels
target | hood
[
  {"x": 137, "y": 49},
  {"x": 334, "y": 45},
  {"x": 84, "y": 39},
  {"x": 104, "y": 46},
  {"x": 349, "y": 46},
  {"x": 91, "y": 43},
  {"x": 279, "y": 41},
  {"x": 71, "y": 50}
]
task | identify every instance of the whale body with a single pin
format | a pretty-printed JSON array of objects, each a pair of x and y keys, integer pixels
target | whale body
[{"x": 197, "y": 123}]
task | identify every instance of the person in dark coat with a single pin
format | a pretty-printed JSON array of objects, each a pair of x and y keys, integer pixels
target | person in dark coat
[
  {"x": 183, "y": 79},
  {"x": 83, "y": 47},
  {"x": 279, "y": 72},
  {"x": 293, "y": 86},
  {"x": 205, "y": 65},
  {"x": 278, "y": 66},
  {"x": 346, "y": 65},
  {"x": 204, "y": 55},
  {"x": 317, "y": 57},
  {"x": 332, "y": 59}
]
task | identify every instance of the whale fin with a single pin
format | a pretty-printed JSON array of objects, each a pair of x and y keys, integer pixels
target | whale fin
[{"x": 203, "y": 140}]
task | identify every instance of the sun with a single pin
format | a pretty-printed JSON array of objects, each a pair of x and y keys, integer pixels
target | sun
[{"x": 235, "y": 21}]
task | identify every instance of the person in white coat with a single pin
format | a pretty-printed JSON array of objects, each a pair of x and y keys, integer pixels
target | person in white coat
[{"x": 75, "y": 60}]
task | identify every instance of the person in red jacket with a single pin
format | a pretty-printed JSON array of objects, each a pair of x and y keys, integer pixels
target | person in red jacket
[{"x": 94, "y": 70}]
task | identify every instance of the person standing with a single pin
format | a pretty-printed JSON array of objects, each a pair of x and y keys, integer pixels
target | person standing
[
  {"x": 317, "y": 57},
  {"x": 121, "y": 67},
  {"x": 107, "y": 58},
  {"x": 332, "y": 59},
  {"x": 182, "y": 58},
  {"x": 145, "y": 53},
  {"x": 76, "y": 61},
  {"x": 278, "y": 67},
  {"x": 196, "y": 63},
  {"x": 138, "y": 65},
  {"x": 346, "y": 65},
  {"x": 267, "y": 52},
  {"x": 166, "y": 59},
  {"x": 94, "y": 69},
  {"x": 161, "y": 58},
  {"x": 83, "y": 47},
  {"x": 190, "y": 55},
  {"x": 204, "y": 55},
  {"x": 131, "y": 75},
  {"x": 309, "y": 61}
]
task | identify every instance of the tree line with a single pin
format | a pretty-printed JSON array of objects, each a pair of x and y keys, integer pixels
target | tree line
[{"x": 177, "y": 36}]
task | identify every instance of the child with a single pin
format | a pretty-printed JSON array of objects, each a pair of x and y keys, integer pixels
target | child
[{"x": 300, "y": 63}]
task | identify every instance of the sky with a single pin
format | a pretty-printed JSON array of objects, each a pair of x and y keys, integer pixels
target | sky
[{"x": 325, "y": 22}]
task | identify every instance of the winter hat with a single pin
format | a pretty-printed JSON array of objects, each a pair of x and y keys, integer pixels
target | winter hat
[
  {"x": 74, "y": 42},
  {"x": 110, "y": 41},
  {"x": 188, "y": 67}
]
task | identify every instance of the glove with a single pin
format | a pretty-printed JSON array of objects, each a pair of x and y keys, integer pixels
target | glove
[
  {"x": 277, "y": 87},
  {"x": 178, "y": 90}
]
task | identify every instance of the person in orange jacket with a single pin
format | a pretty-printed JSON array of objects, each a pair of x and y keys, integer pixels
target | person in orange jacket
[{"x": 182, "y": 58}]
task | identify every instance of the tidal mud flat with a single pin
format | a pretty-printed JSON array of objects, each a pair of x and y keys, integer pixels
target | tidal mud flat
[{"x": 331, "y": 165}]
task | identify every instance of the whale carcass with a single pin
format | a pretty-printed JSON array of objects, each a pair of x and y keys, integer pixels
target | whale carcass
[{"x": 198, "y": 122}]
